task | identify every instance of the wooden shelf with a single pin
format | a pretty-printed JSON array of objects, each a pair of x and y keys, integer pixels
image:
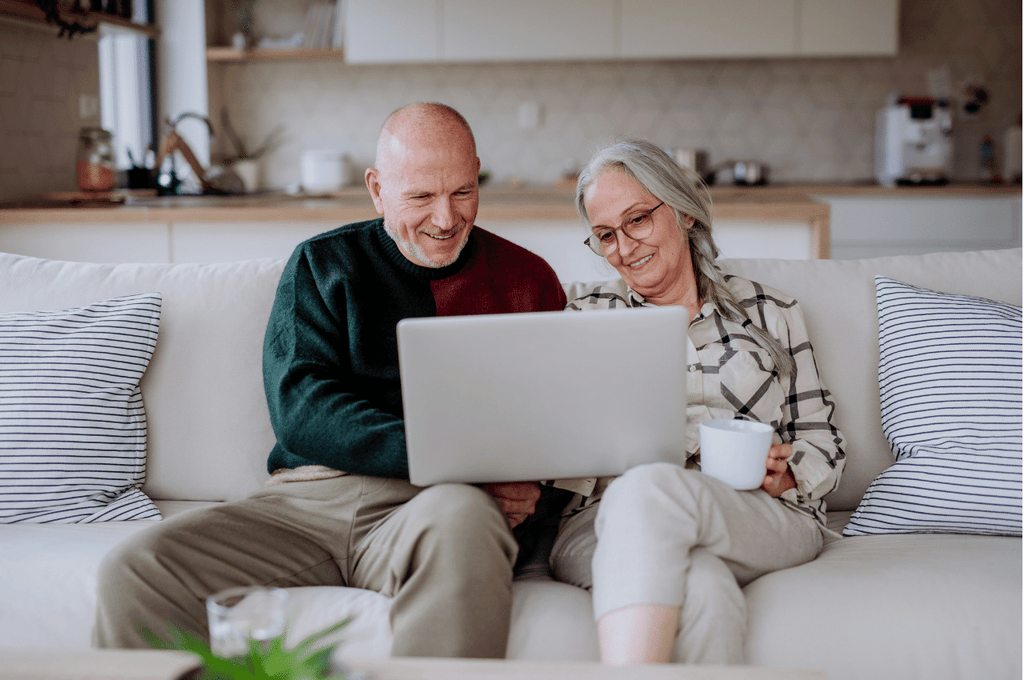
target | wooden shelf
[
  {"x": 23, "y": 12},
  {"x": 230, "y": 54}
]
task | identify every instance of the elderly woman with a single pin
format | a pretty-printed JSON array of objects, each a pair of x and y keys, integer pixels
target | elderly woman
[{"x": 670, "y": 548}]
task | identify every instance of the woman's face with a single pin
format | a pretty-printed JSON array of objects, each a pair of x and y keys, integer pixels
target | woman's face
[{"x": 657, "y": 267}]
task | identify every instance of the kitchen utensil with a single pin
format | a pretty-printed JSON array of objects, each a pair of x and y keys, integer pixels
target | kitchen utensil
[{"x": 742, "y": 173}]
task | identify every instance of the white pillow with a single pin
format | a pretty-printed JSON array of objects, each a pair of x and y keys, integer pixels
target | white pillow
[
  {"x": 72, "y": 422},
  {"x": 949, "y": 378}
]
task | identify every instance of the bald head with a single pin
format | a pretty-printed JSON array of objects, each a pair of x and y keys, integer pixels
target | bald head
[
  {"x": 421, "y": 123},
  {"x": 424, "y": 182}
]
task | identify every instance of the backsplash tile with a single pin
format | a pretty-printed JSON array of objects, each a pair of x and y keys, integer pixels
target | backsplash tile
[
  {"x": 808, "y": 119},
  {"x": 41, "y": 80}
]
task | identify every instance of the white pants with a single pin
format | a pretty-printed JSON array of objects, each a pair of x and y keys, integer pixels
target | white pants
[{"x": 675, "y": 537}]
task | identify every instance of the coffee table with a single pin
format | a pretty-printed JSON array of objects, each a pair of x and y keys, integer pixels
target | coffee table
[
  {"x": 162, "y": 665},
  {"x": 472, "y": 669}
]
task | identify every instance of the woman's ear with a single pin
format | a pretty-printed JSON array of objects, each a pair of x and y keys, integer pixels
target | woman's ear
[{"x": 688, "y": 221}]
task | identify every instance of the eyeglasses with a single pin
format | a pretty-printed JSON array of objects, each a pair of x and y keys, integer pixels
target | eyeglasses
[{"x": 638, "y": 226}]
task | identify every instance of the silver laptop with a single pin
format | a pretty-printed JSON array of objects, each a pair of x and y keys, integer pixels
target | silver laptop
[{"x": 545, "y": 395}]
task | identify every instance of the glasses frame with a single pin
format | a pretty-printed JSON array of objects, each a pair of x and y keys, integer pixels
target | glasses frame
[{"x": 595, "y": 245}]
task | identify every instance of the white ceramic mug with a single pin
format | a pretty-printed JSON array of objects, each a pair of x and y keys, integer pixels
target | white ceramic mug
[{"x": 735, "y": 451}]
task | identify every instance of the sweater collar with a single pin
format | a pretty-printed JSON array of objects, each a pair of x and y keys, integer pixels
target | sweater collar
[{"x": 395, "y": 256}]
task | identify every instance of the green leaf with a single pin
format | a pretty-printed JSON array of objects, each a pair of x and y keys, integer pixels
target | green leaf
[{"x": 264, "y": 661}]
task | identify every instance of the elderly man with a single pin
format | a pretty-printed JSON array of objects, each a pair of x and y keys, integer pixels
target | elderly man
[{"x": 338, "y": 508}]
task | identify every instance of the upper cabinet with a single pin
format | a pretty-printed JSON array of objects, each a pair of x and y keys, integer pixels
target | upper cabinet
[
  {"x": 498, "y": 30},
  {"x": 394, "y": 31},
  {"x": 660, "y": 29},
  {"x": 844, "y": 28}
]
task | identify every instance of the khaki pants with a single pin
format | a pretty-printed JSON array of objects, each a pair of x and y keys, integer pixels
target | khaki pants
[
  {"x": 444, "y": 553},
  {"x": 668, "y": 536}
]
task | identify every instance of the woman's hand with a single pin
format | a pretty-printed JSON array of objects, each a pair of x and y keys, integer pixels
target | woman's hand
[
  {"x": 779, "y": 477},
  {"x": 518, "y": 500}
]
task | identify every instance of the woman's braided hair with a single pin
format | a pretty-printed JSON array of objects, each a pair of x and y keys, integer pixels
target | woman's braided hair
[{"x": 685, "y": 192}]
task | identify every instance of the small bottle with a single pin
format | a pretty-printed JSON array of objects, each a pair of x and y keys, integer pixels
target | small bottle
[{"x": 96, "y": 167}]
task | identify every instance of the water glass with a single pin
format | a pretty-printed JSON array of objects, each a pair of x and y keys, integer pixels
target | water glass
[{"x": 238, "y": 615}]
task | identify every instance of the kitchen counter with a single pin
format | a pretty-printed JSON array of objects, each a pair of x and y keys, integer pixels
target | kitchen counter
[
  {"x": 797, "y": 220},
  {"x": 784, "y": 201}
]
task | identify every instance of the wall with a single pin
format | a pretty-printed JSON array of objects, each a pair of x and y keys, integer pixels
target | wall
[
  {"x": 808, "y": 119},
  {"x": 41, "y": 80}
]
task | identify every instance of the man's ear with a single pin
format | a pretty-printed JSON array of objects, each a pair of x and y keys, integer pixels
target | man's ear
[{"x": 372, "y": 178}]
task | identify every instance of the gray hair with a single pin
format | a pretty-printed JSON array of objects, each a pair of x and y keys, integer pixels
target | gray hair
[{"x": 685, "y": 192}]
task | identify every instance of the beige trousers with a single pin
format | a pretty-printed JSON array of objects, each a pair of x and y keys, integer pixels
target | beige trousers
[
  {"x": 664, "y": 535},
  {"x": 444, "y": 553}
]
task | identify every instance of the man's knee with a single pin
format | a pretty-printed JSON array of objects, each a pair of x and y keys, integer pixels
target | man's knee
[{"x": 461, "y": 517}]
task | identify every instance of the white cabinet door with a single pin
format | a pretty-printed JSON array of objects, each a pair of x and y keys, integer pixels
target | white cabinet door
[
  {"x": 876, "y": 226},
  {"x": 707, "y": 28},
  {"x": 208, "y": 242},
  {"x": 848, "y": 27},
  {"x": 527, "y": 30},
  {"x": 395, "y": 31},
  {"x": 88, "y": 242}
]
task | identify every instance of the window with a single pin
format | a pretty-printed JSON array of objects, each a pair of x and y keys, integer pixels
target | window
[{"x": 126, "y": 90}]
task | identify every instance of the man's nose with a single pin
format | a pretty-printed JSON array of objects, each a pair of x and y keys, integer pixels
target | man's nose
[{"x": 445, "y": 216}]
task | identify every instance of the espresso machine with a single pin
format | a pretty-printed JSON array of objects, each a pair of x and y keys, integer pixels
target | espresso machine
[{"x": 914, "y": 142}]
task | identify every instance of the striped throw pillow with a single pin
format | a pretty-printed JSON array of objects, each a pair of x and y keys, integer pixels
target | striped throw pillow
[
  {"x": 949, "y": 378},
  {"x": 72, "y": 422}
]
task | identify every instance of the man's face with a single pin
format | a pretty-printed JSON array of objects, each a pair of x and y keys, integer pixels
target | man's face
[{"x": 426, "y": 189}]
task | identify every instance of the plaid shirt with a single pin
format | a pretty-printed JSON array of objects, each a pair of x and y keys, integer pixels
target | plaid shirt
[{"x": 730, "y": 374}]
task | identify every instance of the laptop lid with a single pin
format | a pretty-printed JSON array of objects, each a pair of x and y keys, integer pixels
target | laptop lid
[{"x": 543, "y": 395}]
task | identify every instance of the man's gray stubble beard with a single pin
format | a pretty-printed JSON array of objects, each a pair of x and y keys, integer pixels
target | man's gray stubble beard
[{"x": 416, "y": 251}]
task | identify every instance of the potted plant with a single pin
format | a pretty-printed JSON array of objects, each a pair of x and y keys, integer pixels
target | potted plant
[{"x": 268, "y": 660}]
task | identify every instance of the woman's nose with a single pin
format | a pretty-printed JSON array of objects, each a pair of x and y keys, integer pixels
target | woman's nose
[{"x": 625, "y": 243}]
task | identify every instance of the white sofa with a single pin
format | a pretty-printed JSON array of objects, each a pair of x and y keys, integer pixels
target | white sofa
[{"x": 892, "y": 606}]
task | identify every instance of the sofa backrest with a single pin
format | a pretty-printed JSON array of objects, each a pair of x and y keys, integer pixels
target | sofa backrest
[
  {"x": 838, "y": 301},
  {"x": 209, "y": 429}
]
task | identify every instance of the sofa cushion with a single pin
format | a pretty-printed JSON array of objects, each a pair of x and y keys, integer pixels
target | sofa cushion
[
  {"x": 48, "y": 589},
  {"x": 209, "y": 428},
  {"x": 907, "y": 606},
  {"x": 838, "y": 301},
  {"x": 72, "y": 420},
  {"x": 950, "y": 383}
]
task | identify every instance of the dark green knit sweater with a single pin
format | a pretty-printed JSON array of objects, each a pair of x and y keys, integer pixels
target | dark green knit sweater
[{"x": 330, "y": 355}]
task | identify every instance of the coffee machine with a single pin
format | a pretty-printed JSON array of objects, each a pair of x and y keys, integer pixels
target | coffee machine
[{"x": 914, "y": 142}]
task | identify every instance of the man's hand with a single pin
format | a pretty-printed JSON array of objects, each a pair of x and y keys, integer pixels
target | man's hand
[
  {"x": 518, "y": 500},
  {"x": 779, "y": 477}
]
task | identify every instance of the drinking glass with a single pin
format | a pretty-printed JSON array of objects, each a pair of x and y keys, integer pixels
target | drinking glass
[{"x": 238, "y": 615}]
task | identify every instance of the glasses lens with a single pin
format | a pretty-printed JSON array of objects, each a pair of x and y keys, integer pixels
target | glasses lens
[
  {"x": 639, "y": 226},
  {"x": 603, "y": 242}
]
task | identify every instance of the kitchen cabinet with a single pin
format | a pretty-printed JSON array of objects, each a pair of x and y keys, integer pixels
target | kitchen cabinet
[
  {"x": 908, "y": 224},
  {"x": 845, "y": 28},
  {"x": 707, "y": 28},
  {"x": 493, "y": 30},
  {"x": 396, "y": 31},
  {"x": 88, "y": 241}
]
